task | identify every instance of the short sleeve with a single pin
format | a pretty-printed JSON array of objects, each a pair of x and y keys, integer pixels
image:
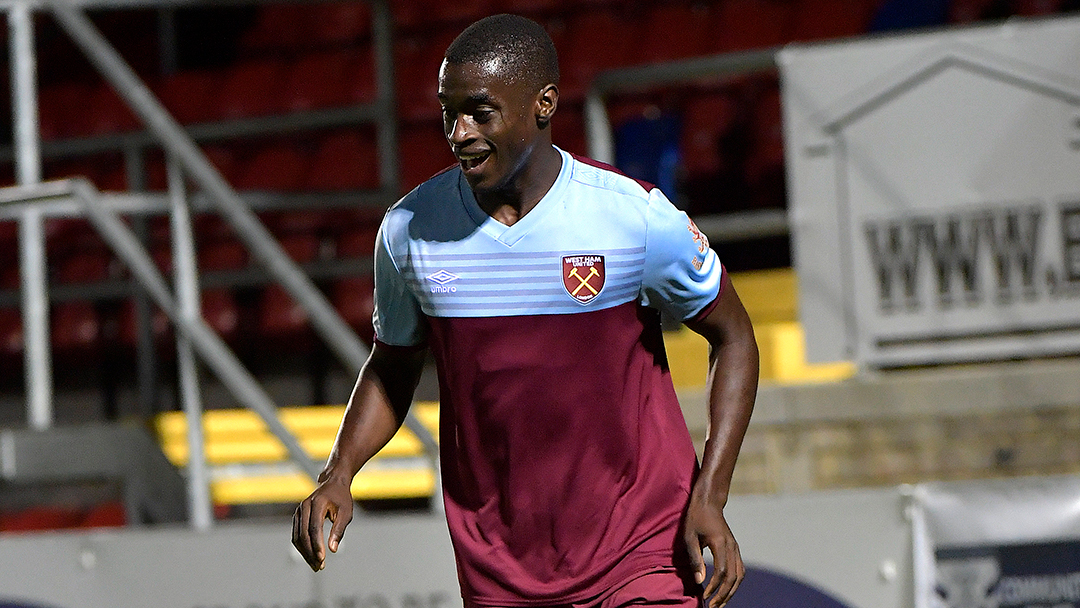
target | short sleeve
[
  {"x": 397, "y": 319},
  {"x": 682, "y": 273}
]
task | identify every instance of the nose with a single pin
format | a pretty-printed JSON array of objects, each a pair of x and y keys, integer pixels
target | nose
[{"x": 458, "y": 131}]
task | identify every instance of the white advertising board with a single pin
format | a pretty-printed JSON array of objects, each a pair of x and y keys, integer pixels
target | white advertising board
[{"x": 934, "y": 192}]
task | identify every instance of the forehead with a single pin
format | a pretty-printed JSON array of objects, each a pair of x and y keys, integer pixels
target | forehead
[{"x": 492, "y": 77}]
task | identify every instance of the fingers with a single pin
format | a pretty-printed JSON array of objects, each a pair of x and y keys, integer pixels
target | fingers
[
  {"x": 307, "y": 532},
  {"x": 315, "y": 531},
  {"x": 338, "y": 529},
  {"x": 693, "y": 550},
  {"x": 728, "y": 572}
]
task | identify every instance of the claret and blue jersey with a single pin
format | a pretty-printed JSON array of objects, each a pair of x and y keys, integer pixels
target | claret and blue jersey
[{"x": 566, "y": 461}]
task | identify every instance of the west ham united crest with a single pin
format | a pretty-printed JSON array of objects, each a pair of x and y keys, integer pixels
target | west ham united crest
[{"x": 583, "y": 276}]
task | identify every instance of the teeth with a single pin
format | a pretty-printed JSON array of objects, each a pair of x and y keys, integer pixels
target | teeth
[{"x": 470, "y": 161}]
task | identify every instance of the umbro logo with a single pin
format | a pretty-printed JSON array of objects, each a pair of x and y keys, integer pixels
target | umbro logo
[{"x": 442, "y": 279}]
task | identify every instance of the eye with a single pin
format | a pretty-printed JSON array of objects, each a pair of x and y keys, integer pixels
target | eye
[{"x": 482, "y": 115}]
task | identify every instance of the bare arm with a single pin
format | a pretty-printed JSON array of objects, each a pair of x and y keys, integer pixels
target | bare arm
[
  {"x": 379, "y": 403},
  {"x": 732, "y": 388}
]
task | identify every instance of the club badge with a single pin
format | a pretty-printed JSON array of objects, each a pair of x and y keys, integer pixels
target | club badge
[{"x": 583, "y": 276}]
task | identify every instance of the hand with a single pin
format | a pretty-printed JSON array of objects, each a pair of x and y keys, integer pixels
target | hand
[
  {"x": 705, "y": 526},
  {"x": 331, "y": 500}
]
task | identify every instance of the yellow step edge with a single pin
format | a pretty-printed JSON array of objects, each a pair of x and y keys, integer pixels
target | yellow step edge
[
  {"x": 368, "y": 485},
  {"x": 240, "y": 436}
]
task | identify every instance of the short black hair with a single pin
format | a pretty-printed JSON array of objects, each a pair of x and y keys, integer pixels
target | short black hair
[{"x": 520, "y": 44}]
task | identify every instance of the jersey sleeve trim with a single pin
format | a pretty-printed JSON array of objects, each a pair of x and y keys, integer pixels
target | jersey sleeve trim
[
  {"x": 411, "y": 348},
  {"x": 704, "y": 312}
]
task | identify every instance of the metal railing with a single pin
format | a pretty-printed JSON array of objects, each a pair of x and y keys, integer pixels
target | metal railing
[{"x": 185, "y": 160}]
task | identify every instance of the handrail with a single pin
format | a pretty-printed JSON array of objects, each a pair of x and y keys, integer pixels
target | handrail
[
  {"x": 341, "y": 339},
  {"x": 213, "y": 350}
]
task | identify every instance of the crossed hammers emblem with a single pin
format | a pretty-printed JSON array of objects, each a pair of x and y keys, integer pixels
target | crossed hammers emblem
[{"x": 584, "y": 281}]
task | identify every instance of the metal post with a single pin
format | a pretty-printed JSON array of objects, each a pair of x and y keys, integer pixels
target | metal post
[
  {"x": 35, "y": 297},
  {"x": 35, "y": 316},
  {"x": 386, "y": 129},
  {"x": 145, "y": 353},
  {"x": 598, "y": 129},
  {"x": 24, "y": 94},
  {"x": 188, "y": 307}
]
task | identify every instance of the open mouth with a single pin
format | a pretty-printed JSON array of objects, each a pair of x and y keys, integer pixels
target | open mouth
[{"x": 470, "y": 162}]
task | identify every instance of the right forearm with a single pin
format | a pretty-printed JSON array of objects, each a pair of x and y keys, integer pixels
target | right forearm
[{"x": 376, "y": 409}]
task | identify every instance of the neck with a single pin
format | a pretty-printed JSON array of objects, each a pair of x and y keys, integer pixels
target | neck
[{"x": 512, "y": 202}]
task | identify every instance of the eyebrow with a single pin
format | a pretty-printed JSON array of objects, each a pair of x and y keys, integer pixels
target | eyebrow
[{"x": 477, "y": 98}]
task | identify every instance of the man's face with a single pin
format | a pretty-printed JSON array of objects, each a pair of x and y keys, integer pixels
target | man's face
[{"x": 490, "y": 121}]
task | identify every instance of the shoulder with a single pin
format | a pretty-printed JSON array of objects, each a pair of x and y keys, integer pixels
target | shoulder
[
  {"x": 602, "y": 176},
  {"x": 424, "y": 212}
]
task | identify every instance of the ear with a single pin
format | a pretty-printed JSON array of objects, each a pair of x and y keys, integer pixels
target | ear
[{"x": 546, "y": 103}]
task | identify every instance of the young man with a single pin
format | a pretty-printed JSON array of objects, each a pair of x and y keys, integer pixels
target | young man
[{"x": 537, "y": 279}]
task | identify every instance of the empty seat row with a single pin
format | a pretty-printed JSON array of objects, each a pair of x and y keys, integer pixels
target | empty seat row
[
  {"x": 253, "y": 88},
  {"x": 590, "y": 41},
  {"x": 79, "y": 327}
]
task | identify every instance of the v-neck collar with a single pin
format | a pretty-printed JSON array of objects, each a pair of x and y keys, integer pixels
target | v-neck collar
[{"x": 509, "y": 235}]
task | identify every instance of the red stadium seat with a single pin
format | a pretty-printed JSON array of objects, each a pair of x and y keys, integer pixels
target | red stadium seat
[
  {"x": 280, "y": 317},
  {"x": 1035, "y": 8},
  {"x": 108, "y": 113},
  {"x": 967, "y": 11},
  {"x": 105, "y": 515},
  {"x": 821, "y": 19},
  {"x": 765, "y": 166},
  {"x": 317, "y": 80},
  {"x": 424, "y": 152},
  {"x": 222, "y": 255},
  {"x": 75, "y": 328},
  {"x": 358, "y": 242},
  {"x": 279, "y": 27},
  {"x": 114, "y": 180},
  {"x": 347, "y": 160},
  {"x": 212, "y": 228},
  {"x": 9, "y": 246},
  {"x": 568, "y": 130},
  {"x": 527, "y": 7},
  {"x": 224, "y": 160},
  {"x": 38, "y": 518},
  {"x": 162, "y": 256},
  {"x": 62, "y": 110},
  {"x": 159, "y": 325},
  {"x": 596, "y": 40},
  {"x": 220, "y": 311},
  {"x": 694, "y": 27},
  {"x": 354, "y": 299},
  {"x": 461, "y": 11},
  {"x": 251, "y": 89},
  {"x": 340, "y": 22},
  {"x": 303, "y": 248},
  {"x": 87, "y": 266},
  {"x": 417, "y": 61},
  {"x": 751, "y": 24},
  {"x": 301, "y": 221},
  {"x": 705, "y": 118},
  {"x": 360, "y": 85},
  {"x": 11, "y": 334},
  {"x": 409, "y": 15},
  {"x": 279, "y": 168},
  {"x": 190, "y": 95}
]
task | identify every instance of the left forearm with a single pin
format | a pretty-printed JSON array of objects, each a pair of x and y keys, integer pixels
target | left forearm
[{"x": 732, "y": 388}]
